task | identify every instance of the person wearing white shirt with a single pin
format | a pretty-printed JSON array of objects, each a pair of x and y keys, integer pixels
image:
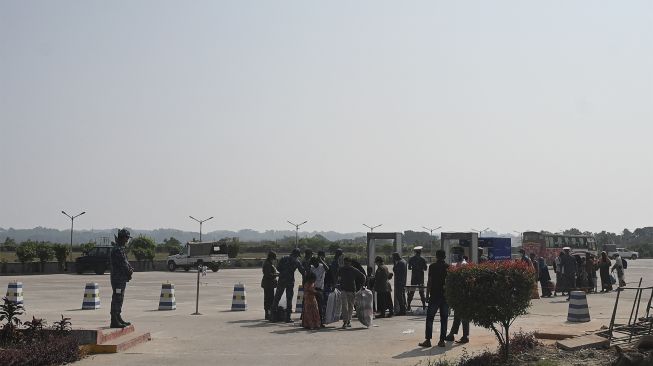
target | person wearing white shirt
[{"x": 320, "y": 269}]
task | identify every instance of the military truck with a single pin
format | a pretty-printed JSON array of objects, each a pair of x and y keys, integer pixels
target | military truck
[
  {"x": 211, "y": 254},
  {"x": 96, "y": 260}
]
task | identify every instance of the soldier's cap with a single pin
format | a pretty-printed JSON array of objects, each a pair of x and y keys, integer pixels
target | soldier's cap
[
  {"x": 566, "y": 248},
  {"x": 418, "y": 248},
  {"x": 124, "y": 233},
  {"x": 296, "y": 252}
]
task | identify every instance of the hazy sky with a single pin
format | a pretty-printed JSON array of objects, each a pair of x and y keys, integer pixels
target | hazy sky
[{"x": 510, "y": 114}]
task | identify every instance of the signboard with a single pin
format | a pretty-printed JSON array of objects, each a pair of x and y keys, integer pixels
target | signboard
[{"x": 497, "y": 248}]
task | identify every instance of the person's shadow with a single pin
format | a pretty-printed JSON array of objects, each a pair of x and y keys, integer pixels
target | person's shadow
[{"x": 422, "y": 352}]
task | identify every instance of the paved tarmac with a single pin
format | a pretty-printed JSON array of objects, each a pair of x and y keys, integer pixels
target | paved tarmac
[{"x": 243, "y": 338}]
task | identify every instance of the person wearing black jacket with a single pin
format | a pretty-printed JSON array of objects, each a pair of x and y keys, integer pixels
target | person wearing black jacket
[
  {"x": 121, "y": 273},
  {"x": 348, "y": 277},
  {"x": 437, "y": 302},
  {"x": 418, "y": 266},
  {"x": 287, "y": 267},
  {"x": 400, "y": 274},
  {"x": 269, "y": 283},
  {"x": 381, "y": 277}
]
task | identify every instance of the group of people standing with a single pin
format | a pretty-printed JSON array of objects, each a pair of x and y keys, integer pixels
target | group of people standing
[
  {"x": 577, "y": 272},
  {"x": 319, "y": 279}
]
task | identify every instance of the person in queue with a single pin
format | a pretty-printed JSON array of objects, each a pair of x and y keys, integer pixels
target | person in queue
[
  {"x": 269, "y": 283},
  {"x": 417, "y": 266},
  {"x": 287, "y": 267},
  {"x": 437, "y": 302}
]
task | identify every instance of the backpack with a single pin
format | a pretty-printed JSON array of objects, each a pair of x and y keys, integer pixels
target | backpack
[{"x": 624, "y": 262}]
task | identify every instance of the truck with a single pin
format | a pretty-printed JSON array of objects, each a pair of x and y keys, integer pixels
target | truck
[
  {"x": 210, "y": 254},
  {"x": 624, "y": 253},
  {"x": 612, "y": 249},
  {"x": 96, "y": 260}
]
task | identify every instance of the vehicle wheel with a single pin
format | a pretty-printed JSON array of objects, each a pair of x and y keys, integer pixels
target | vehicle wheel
[
  {"x": 172, "y": 266},
  {"x": 186, "y": 269},
  {"x": 215, "y": 268},
  {"x": 99, "y": 270},
  {"x": 633, "y": 257}
]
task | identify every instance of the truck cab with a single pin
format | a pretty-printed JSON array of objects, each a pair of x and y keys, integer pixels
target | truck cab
[
  {"x": 97, "y": 259},
  {"x": 210, "y": 254}
]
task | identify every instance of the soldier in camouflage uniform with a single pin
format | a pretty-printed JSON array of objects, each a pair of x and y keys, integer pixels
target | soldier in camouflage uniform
[{"x": 121, "y": 273}]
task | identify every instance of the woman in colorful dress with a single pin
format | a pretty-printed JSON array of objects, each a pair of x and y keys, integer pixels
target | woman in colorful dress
[{"x": 311, "y": 312}]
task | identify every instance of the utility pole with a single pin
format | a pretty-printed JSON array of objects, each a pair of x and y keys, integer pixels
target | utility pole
[
  {"x": 201, "y": 222},
  {"x": 72, "y": 224},
  {"x": 297, "y": 231},
  {"x": 431, "y": 234},
  {"x": 480, "y": 232},
  {"x": 372, "y": 227}
]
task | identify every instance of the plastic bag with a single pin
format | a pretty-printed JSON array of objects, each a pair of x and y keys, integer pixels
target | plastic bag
[
  {"x": 364, "y": 307},
  {"x": 283, "y": 303},
  {"x": 333, "y": 308}
]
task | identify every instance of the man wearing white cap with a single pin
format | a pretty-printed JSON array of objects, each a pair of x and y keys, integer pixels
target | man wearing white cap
[{"x": 418, "y": 266}]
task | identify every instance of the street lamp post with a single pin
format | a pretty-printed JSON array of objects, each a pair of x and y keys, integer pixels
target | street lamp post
[
  {"x": 480, "y": 232},
  {"x": 297, "y": 231},
  {"x": 431, "y": 234},
  {"x": 201, "y": 222},
  {"x": 372, "y": 227},
  {"x": 72, "y": 224}
]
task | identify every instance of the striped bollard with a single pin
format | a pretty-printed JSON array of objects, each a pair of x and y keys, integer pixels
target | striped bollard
[
  {"x": 15, "y": 292},
  {"x": 239, "y": 301},
  {"x": 167, "y": 300},
  {"x": 578, "y": 309},
  {"x": 91, "y": 297},
  {"x": 299, "y": 307}
]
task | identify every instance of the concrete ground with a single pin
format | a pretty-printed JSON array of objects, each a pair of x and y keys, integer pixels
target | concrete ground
[{"x": 243, "y": 338}]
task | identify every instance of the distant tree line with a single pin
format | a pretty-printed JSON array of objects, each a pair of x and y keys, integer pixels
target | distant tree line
[
  {"x": 144, "y": 248},
  {"x": 639, "y": 240}
]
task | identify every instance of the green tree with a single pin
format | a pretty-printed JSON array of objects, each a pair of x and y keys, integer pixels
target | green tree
[
  {"x": 61, "y": 252},
  {"x": 491, "y": 295},
  {"x": 233, "y": 246},
  {"x": 171, "y": 246},
  {"x": 86, "y": 247},
  {"x": 572, "y": 231},
  {"x": 9, "y": 245},
  {"x": 142, "y": 248},
  {"x": 44, "y": 252},
  {"x": 26, "y": 251}
]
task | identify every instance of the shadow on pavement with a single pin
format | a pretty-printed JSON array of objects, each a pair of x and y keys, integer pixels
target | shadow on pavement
[
  {"x": 322, "y": 330},
  {"x": 422, "y": 352},
  {"x": 245, "y": 321}
]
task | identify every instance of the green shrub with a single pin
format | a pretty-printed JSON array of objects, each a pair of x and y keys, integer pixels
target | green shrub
[
  {"x": 44, "y": 252},
  {"x": 143, "y": 248},
  {"x": 26, "y": 251},
  {"x": 61, "y": 252},
  {"x": 234, "y": 249},
  {"x": 172, "y": 246},
  {"x": 491, "y": 295},
  {"x": 50, "y": 350},
  {"x": 86, "y": 247}
]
